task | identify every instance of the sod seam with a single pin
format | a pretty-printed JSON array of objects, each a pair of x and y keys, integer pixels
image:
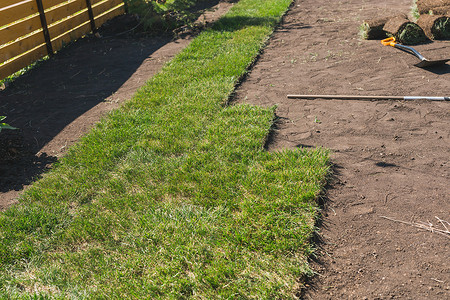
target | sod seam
[{"x": 173, "y": 194}]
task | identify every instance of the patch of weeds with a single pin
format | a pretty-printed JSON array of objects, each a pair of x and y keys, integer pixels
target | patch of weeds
[
  {"x": 4, "y": 125},
  {"x": 414, "y": 11},
  {"x": 363, "y": 31}
]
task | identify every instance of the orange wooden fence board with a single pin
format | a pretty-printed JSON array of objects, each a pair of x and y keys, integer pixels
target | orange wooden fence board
[
  {"x": 22, "y": 61},
  {"x": 46, "y": 3},
  {"x": 11, "y": 50},
  {"x": 12, "y": 32},
  {"x": 25, "y": 8},
  {"x": 82, "y": 29},
  {"x": 17, "y": 12},
  {"x": 111, "y": 13},
  {"x": 82, "y": 18},
  {"x": 102, "y": 6},
  {"x": 5, "y": 3},
  {"x": 50, "y": 3},
  {"x": 66, "y": 23},
  {"x": 15, "y": 31},
  {"x": 63, "y": 11},
  {"x": 23, "y": 45}
]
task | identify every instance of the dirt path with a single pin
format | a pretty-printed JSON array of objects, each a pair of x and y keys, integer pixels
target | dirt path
[
  {"x": 391, "y": 157},
  {"x": 61, "y": 100}
]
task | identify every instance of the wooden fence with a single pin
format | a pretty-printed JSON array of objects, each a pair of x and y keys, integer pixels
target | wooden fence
[{"x": 32, "y": 29}]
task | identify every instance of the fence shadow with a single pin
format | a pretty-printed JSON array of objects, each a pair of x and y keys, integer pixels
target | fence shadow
[{"x": 42, "y": 102}]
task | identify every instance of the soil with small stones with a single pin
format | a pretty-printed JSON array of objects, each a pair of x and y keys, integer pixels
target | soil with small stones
[
  {"x": 61, "y": 100},
  {"x": 390, "y": 158}
]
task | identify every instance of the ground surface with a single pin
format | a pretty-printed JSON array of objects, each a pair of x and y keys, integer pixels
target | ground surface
[
  {"x": 391, "y": 157},
  {"x": 61, "y": 100}
]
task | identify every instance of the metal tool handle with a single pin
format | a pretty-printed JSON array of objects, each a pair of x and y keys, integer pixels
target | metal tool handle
[
  {"x": 365, "y": 97},
  {"x": 391, "y": 42}
]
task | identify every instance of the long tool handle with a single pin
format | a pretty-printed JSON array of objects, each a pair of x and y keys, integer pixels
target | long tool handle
[
  {"x": 391, "y": 42},
  {"x": 356, "y": 97},
  {"x": 410, "y": 50}
]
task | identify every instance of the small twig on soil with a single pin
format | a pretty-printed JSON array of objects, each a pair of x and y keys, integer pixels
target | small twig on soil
[
  {"x": 442, "y": 222},
  {"x": 75, "y": 74},
  {"x": 386, "y": 198},
  {"x": 437, "y": 280},
  {"x": 427, "y": 226},
  {"x": 333, "y": 211}
]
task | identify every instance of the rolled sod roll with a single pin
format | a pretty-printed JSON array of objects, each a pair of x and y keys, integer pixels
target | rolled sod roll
[
  {"x": 372, "y": 29},
  {"x": 435, "y": 27},
  {"x": 405, "y": 31},
  {"x": 424, "y": 6}
]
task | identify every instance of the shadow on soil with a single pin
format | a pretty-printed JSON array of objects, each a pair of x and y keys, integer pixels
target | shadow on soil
[
  {"x": 48, "y": 98},
  {"x": 439, "y": 69},
  {"x": 313, "y": 282}
]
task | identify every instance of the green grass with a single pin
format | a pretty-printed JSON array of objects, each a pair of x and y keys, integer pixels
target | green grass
[
  {"x": 173, "y": 195},
  {"x": 414, "y": 11}
]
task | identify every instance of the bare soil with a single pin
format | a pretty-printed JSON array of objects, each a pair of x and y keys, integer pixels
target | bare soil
[
  {"x": 391, "y": 158},
  {"x": 59, "y": 101}
]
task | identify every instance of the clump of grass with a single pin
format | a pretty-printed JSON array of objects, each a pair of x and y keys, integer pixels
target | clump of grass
[
  {"x": 414, "y": 11},
  {"x": 173, "y": 195},
  {"x": 4, "y": 125},
  {"x": 363, "y": 31}
]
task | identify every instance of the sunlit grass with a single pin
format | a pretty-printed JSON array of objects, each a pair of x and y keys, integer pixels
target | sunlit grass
[{"x": 173, "y": 195}]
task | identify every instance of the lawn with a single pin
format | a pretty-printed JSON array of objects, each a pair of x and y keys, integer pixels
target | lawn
[{"x": 173, "y": 195}]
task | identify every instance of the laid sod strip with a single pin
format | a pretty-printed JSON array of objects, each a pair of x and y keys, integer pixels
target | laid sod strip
[
  {"x": 435, "y": 27},
  {"x": 172, "y": 195},
  {"x": 404, "y": 31}
]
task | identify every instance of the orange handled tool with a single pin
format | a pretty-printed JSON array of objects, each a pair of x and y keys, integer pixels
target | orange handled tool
[
  {"x": 423, "y": 61},
  {"x": 389, "y": 41}
]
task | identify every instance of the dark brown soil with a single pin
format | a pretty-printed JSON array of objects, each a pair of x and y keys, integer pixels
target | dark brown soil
[
  {"x": 391, "y": 158},
  {"x": 59, "y": 101}
]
